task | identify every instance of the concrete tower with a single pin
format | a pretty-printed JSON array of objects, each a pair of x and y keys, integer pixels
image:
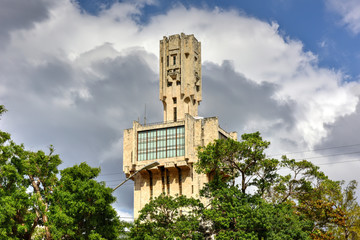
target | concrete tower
[
  {"x": 180, "y": 76},
  {"x": 173, "y": 143}
]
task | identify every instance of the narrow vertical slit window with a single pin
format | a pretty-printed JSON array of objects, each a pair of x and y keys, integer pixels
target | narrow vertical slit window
[
  {"x": 175, "y": 114},
  {"x": 151, "y": 185},
  {"x": 167, "y": 60},
  {"x": 163, "y": 179},
  {"x": 180, "y": 181},
  {"x": 174, "y": 60},
  {"x": 168, "y": 181}
]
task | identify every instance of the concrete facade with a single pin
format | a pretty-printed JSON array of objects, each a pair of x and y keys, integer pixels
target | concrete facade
[
  {"x": 174, "y": 142},
  {"x": 180, "y": 76}
]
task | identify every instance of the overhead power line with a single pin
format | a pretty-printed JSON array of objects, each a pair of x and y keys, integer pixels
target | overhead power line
[
  {"x": 330, "y": 163},
  {"x": 119, "y": 180},
  {"x": 108, "y": 174},
  {"x": 288, "y": 153},
  {"x": 330, "y": 155},
  {"x": 314, "y": 150}
]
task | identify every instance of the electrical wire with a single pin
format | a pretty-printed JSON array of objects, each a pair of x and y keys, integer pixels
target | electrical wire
[
  {"x": 331, "y": 155},
  {"x": 109, "y": 174},
  {"x": 314, "y": 150},
  {"x": 289, "y": 153}
]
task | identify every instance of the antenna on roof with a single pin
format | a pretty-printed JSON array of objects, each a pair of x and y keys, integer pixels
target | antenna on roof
[{"x": 145, "y": 115}]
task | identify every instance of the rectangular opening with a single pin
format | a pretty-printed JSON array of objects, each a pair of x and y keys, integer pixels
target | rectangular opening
[
  {"x": 163, "y": 180},
  {"x": 151, "y": 185},
  {"x": 174, "y": 100},
  {"x": 167, "y": 60},
  {"x": 168, "y": 181},
  {"x": 180, "y": 181},
  {"x": 175, "y": 114},
  {"x": 174, "y": 60}
]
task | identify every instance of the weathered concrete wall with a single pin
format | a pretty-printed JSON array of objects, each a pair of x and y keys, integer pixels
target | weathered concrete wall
[
  {"x": 175, "y": 175},
  {"x": 180, "y": 76}
]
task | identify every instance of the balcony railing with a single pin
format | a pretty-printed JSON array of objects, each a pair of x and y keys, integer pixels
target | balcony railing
[{"x": 181, "y": 121}]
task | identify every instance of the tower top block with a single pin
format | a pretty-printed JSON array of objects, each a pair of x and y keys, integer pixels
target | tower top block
[{"x": 180, "y": 76}]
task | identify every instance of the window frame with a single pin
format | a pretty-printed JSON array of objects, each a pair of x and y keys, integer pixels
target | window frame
[{"x": 161, "y": 143}]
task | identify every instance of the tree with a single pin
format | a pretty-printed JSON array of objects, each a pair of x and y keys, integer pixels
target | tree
[
  {"x": 34, "y": 203},
  {"x": 347, "y": 201},
  {"x": 298, "y": 203},
  {"x": 343, "y": 198},
  {"x": 303, "y": 194},
  {"x": 167, "y": 217},
  {"x": 230, "y": 159},
  {"x": 81, "y": 207},
  {"x": 302, "y": 179},
  {"x": 236, "y": 213},
  {"x": 318, "y": 197}
]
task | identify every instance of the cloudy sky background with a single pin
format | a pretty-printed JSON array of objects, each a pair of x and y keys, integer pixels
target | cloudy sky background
[{"x": 76, "y": 73}]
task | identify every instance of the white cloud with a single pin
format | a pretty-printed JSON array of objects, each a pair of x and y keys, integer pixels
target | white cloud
[
  {"x": 261, "y": 53},
  {"x": 124, "y": 215},
  {"x": 256, "y": 49},
  {"x": 349, "y": 10}
]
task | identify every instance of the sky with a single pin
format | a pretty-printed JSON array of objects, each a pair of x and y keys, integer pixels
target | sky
[{"x": 75, "y": 74}]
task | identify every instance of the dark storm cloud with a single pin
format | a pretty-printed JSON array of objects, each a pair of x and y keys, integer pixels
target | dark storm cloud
[
  {"x": 343, "y": 136},
  {"x": 82, "y": 128},
  {"x": 51, "y": 78},
  {"x": 128, "y": 83},
  {"x": 20, "y": 14},
  {"x": 239, "y": 101}
]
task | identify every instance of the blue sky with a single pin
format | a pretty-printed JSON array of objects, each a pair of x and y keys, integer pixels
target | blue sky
[
  {"x": 76, "y": 74},
  {"x": 316, "y": 24}
]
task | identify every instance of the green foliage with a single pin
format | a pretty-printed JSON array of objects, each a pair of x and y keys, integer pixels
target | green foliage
[
  {"x": 81, "y": 206},
  {"x": 235, "y": 215},
  {"x": 227, "y": 160},
  {"x": 35, "y": 204},
  {"x": 232, "y": 213},
  {"x": 167, "y": 217},
  {"x": 301, "y": 180},
  {"x": 346, "y": 220},
  {"x": 301, "y": 204}
]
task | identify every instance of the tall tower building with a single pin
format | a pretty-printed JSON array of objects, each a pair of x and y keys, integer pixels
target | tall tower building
[
  {"x": 180, "y": 76},
  {"x": 173, "y": 142}
]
